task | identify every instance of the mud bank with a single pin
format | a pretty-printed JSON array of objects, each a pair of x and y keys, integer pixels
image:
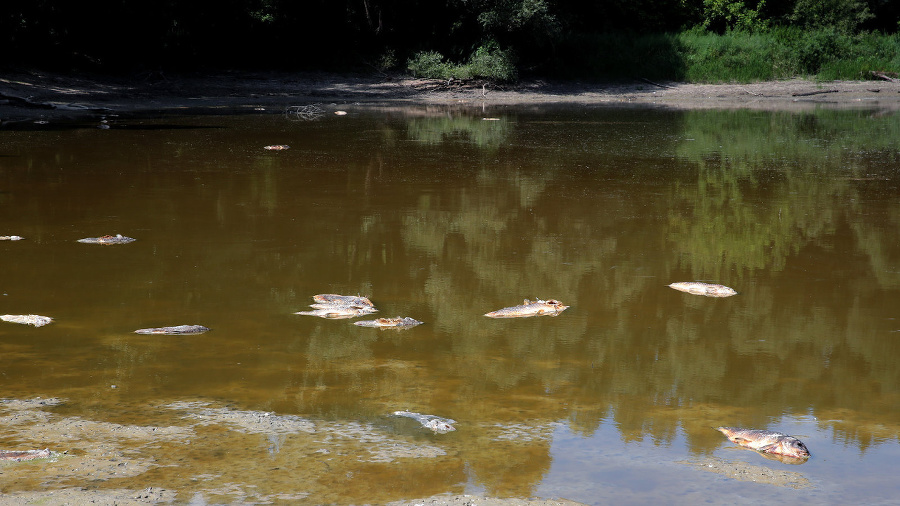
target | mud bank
[{"x": 205, "y": 453}]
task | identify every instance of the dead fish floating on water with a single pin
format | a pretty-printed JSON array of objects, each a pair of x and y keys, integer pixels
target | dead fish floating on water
[
  {"x": 277, "y": 147},
  {"x": 11, "y": 237},
  {"x": 766, "y": 441},
  {"x": 550, "y": 307},
  {"x": 707, "y": 289},
  {"x": 107, "y": 239},
  {"x": 435, "y": 423},
  {"x": 27, "y": 319},
  {"x": 174, "y": 331},
  {"x": 20, "y": 455},
  {"x": 390, "y": 323},
  {"x": 334, "y": 306},
  {"x": 342, "y": 300},
  {"x": 338, "y": 312}
]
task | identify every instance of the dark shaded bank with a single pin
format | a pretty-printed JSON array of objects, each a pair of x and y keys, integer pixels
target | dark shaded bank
[{"x": 45, "y": 96}]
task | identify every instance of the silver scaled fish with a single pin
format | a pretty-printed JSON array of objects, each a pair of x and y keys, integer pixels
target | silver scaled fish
[
  {"x": 20, "y": 455},
  {"x": 331, "y": 305},
  {"x": 333, "y": 299},
  {"x": 707, "y": 289},
  {"x": 766, "y": 441},
  {"x": 339, "y": 312},
  {"x": 107, "y": 239},
  {"x": 390, "y": 323},
  {"x": 173, "y": 331},
  {"x": 550, "y": 307},
  {"x": 27, "y": 319},
  {"x": 435, "y": 423}
]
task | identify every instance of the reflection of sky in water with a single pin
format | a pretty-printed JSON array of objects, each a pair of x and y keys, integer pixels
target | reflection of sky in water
[{"x": 602, "y": 469}]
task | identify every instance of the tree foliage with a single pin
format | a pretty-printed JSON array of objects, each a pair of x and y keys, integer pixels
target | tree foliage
[
  {"x": 843, "y": 15},
  {"x": 342, "y": 34},
  {"x": 733, "y": 14}
]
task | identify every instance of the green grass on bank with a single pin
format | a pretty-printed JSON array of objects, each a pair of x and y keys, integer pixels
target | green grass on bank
[
  {"x": 692, "y": 56},
  {"x": 786, "y": 52}
]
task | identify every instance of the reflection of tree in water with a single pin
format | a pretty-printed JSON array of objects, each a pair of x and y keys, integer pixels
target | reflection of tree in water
[
  {"x": 601, "y": 215},
  {"x": 772, "y": 199},
  {"x": 484, "y": 134}
]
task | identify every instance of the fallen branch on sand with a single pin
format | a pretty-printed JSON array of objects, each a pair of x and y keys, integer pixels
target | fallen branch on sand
[
  {"x": 808, "y": 93},
  {"x": 887, "y": 76},
  {"x": 654, "y": 84}
]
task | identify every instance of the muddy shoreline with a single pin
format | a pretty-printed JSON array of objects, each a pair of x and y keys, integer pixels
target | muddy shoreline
[
  {"x": 108, "y": 462},
  {"x": 27, "y": 95}
]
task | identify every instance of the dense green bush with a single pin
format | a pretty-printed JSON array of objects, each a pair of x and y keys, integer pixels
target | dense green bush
[
  {"x": 429, "y": 64},
  {"x": 698, "y": 55},
  {"x": 491, "y": 62},
  {"x": 487, "y": 62}
]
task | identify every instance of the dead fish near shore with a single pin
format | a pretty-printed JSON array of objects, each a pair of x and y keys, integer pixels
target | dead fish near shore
[
  {"x": 550, "y": 307},
  {"x": 20, "y": 455},
  {"x": 435, "y": 423},
  {"x": 27, "y": 319},
  {"x": 277, "y": 147},
  {"x": 706, "y": 289},
  {"x": 107, "y": 239},
  {"x": 174, "y": 331},
  {"x": 766, "y": 441},
  {"x": 390, "y": 323},
  {"x": 11, "y": 237}
]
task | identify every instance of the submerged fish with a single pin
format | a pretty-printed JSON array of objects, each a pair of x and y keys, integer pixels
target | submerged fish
[
  {"x": 707, "y": 289},
  {"x": 437, "y": 424},
  {"x": 27, "y": 319},
  {"x": 766, "y": 441},
  {"x": 390, "y": 323},
  {"x": 19, "y": 455},
  {"x": 277, "y": 147},
  {"x": 550, "y": 307},
  {"x": 11, "y": 237},
  {"x": 334, "y": 299},
  {"x": 107, "y": 239},
  {"x": 176, "y": 330}
]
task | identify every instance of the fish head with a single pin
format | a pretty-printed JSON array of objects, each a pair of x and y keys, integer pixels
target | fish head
[
  {"x": 792, "y": 447},
  {"x": 556, "y": 305},
  {"x": 439, "y": 426}
]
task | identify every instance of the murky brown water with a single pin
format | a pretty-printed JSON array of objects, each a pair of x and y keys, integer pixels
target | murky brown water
[{"x": 443, "y": 216}]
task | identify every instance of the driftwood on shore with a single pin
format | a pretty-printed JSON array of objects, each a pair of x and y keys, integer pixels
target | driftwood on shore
[
  {"x": 887, "y": 76},
  {"x": 817, "y": 92},
  {"x": 655, "y": 84}
]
